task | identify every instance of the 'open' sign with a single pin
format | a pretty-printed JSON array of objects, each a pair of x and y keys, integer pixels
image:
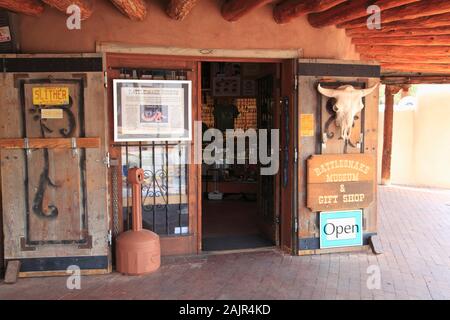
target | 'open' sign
[{"x": 341, "y": 229}]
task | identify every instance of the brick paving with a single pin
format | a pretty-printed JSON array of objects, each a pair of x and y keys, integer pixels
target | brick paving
[{"x": 414, "y": 229}]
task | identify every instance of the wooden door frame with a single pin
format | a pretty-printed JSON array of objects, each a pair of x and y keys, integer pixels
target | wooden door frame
[
  {"x": 170, "y": 55},
  {"x": 2, "y": 266},
  {"x": 289, "y": 197},
  {"x": 170, "y": 245},
  {"x": 277, "y": 92}
]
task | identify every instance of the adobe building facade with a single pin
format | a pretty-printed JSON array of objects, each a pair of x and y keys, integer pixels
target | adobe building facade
[{"x": 283, "y": 66}]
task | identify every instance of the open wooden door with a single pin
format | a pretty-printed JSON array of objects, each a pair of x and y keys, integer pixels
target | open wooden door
[
  {"x": 268, "y": 119},
  {"x": 288, "y": 157},
  {"x": 53, "y": 134},
  {"x": 319, "y": 136}
]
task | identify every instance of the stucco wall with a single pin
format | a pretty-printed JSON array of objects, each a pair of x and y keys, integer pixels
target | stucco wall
[
  {"x": 421, "y": 141},
  {"x": 203, "y": 28}
]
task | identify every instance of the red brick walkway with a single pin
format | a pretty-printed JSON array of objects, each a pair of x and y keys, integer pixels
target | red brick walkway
[{"x": 414, "y": 229}]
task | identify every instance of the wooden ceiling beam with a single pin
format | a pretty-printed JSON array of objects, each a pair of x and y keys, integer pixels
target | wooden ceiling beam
[
  {"x": 86, "y": 7},
  {"x": 405, "y": 59},
  {"x": 440, "y": 20},
  {"x": 179, "y": 9},
  {"x": 402, "y": 32},
  {"x": 414, "y": 10},
  {"x": 417, "y": 67},
  {"x": 287, "y": 10},
  {"x": 133, "y": 9},
  {"x": 440, "y": 40},
  {"x": 351, "y": 10},
  {"x": 28, "y": 7},
  {"x": 233, "y": 10},
  {"x": 404, "y": 50},
  {"x": 400, "y": 80}
]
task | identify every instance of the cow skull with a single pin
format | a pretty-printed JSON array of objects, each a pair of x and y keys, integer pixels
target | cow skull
[{"x": 348, "y": 104}]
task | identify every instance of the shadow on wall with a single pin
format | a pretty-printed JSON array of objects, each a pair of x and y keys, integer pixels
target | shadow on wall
[{"x": 421, "y": 139}]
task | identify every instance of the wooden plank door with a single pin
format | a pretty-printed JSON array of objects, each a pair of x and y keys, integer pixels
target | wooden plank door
[
  {"x": 55, "y": 199},
  {"x": 288, "y": 158},
  {"x": 319, "y": 135}
]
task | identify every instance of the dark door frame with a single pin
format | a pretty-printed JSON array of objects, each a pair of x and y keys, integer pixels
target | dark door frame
[
  {"x": 287, "y": 75},
  {"x": 285, "y": 198},
  {"x": 289, "y": 150}
]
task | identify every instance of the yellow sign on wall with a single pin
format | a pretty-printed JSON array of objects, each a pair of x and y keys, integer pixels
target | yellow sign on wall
[
  {"x": 307, "y": 125},
  {"x": 50, "y": 96}
]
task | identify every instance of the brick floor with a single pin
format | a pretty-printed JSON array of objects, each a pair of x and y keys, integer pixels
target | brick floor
[{"x": 414, "y": 229}]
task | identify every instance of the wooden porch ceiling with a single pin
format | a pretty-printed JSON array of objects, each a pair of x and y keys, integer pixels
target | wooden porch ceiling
[{"x": 414, "y": 35}]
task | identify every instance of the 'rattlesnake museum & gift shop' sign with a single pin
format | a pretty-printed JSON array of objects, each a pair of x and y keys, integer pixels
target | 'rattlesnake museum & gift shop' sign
[{"x": 340, "y": 182}]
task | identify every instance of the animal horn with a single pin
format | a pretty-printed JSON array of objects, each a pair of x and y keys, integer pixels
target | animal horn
[
  {"x": 330, "y": 93},
  {"x": 366, "y": 92}
]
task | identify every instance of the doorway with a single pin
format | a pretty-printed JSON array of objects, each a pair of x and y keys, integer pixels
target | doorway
[{"x": 240, "y": 207}]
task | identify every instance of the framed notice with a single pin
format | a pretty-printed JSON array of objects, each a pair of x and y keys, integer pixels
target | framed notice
[{"x": 152, "y": 110}]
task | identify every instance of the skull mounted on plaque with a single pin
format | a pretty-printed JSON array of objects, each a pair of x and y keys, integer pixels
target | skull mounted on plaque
[{"x": 342, "y": 114}]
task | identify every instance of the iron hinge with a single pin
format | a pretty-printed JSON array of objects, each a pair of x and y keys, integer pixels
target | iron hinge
[
  {"x": 107, "y": 160},
  {"x": 277, "y": 220},
  {"x": 110, "y": 237},
  {"x": 295, "y": 155},
  {"x": 296, "y": 225},
  {"x": 105, "y": 79},
  {"x": 296, "y": 83}
]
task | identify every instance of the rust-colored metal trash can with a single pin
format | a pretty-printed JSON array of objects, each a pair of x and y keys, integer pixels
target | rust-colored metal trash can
[{"x": 138, "y": 251}]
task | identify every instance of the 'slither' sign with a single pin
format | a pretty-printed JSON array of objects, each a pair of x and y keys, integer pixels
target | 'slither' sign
[{"x": 340, "y": 182}]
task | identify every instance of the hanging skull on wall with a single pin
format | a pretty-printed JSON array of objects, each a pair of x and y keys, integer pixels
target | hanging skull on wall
[{"x": 349, "y": 102}]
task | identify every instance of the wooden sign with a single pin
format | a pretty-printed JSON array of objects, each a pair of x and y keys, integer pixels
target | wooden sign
[{"x": 340, "y": 182}]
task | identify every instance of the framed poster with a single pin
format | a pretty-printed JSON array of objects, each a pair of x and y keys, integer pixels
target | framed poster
[{"x": 152, "y": 110}]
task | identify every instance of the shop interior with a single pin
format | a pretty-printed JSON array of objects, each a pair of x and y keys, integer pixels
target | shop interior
[{"x": 236, "y": 200}]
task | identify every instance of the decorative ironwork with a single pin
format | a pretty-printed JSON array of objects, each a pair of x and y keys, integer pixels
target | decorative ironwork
[
  {"x": 44, "y": 180},
  {"x": 72, "y": 123},
  {"x": 155, "y": 186},
  {"x": 330, "y": 109}
]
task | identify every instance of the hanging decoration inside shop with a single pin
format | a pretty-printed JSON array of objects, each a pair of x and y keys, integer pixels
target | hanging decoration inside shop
[
  {"x": 152, "y": 110},
  {"x": 340, "y": 182},
  {"x": 226, "y": 79},
  {"x": 345, "y": 103}
]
